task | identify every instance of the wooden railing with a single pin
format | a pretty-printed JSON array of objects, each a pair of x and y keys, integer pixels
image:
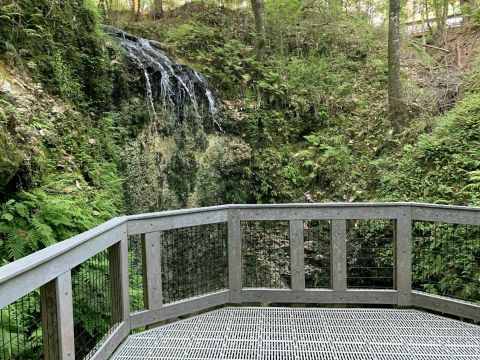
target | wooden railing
[{"x": 49, "y": 271}]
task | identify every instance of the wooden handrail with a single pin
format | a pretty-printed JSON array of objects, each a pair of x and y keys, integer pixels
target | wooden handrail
[{"x": 49, "y": 269}]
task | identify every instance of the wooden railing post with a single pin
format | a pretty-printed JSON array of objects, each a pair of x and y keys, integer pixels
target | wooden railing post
[
  {"x": 118, "y": 261},
  {"x": 297, "y": 255},
  {"x": 234, "y": 257},
  {"x": 339, "y": 255},
  {"x": 57, "y": 318},
  {"x": 152, "y": 271},
  {"x": 403, "y": 256}
]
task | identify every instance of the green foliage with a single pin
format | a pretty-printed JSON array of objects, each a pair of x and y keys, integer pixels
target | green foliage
[
  {"x": 191, "y": 36},
  {"x": 20, "y": 329},
  {"x": 61, "y": 47},
  {"x": 472, "y": 13},
  {"x": 443, "y": 166},
  {"x": 232, "y": 66},
  {"x": 282, "y": 21},
  {"x": 326, "y": 158},
  {"x": 370, "y": 257},
  {"x": 10, "y": 157},
  {"x": 44, "y": 216},
  {"x": 445, "y": 260},
  {"x": 275, "y": 177},
  {"x": 92, "y": 303}
]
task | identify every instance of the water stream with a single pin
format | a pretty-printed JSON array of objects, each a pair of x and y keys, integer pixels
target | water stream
[{"x": 168, "y": 84}]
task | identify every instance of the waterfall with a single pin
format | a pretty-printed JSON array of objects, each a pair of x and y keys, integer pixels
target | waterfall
[{"x": 172, "y": 86}]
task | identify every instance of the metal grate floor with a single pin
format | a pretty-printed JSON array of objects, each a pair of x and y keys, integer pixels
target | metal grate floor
[{"x": 303, "y": 334}]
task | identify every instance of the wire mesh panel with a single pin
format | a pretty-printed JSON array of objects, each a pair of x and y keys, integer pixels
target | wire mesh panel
[
  {"x": 370, "y": 262},
  {"x": 317, "y": 239},
  {"x": 135, "y": 273},
  {"x": 194, "y": 261},
  {"x": 91, "y": 304},
  {"x": 446, "y": 260},
  {"x": 266, "y": 254},
  {"x": 21, "y": 329}
]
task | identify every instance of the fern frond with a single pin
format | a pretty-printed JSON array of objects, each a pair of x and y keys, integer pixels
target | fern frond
[
  {"x": 43, "y": 232},
  {"x": 15, "y": 245}
]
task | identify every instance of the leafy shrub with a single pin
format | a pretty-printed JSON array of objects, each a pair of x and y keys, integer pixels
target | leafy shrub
[
  {"x": 472, "y": 12},
  {"x": 441, "y": 167},
  {"x": 325, "y": 160},
  {"x": 61, "y": 46},
  {"x": 191, "y": 36}
]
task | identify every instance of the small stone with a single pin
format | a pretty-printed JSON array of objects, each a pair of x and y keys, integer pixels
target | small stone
[
  {"x": 5, "y": 87},
  {"x": 58, "y": 109},
  {"x": 92, "y": 141}
]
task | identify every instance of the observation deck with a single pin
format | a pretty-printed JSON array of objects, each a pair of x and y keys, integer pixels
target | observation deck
[{"x": 290, "y": 281}]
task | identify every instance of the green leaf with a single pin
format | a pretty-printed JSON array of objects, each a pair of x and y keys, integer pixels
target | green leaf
[
  {"x": 246, "y": 77},
  {"x": 7, "y": 216}
]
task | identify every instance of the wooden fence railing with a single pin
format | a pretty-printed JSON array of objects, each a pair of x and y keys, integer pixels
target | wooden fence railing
[{"x": 371, "y": 251}]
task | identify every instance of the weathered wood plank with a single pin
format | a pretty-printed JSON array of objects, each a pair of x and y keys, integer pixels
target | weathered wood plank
[
  {"x": 112, "y": 342},
  {"x": 403, "y": 256},
  {"x": 115, "y": 284},
  {"x": 168, "y": 213},
  {"x": 320, "y": 296},
  {"x": 152, "y": 271},
  {"x": 14, "y": 287},
  {"x": 118, "y": 268},
  {"x": 297, "y": 255},
  {"x": 143, "y": 226},
  {"x": 235, "y": 260},
  {"x": 318, "y": 213},
  {"x": 22, "y": 265},
  {"x": 339, "y": 255},
  {"x": 184, "y": 307},
  {"x": 124, "y": 274},
  {"x": 57, "y": 318},
  {"x": 64, "y": 304},
  {"x": 446, "y": 305},
  {"x": 454, "y": 215},
  {"x": 48, "y": 298}
]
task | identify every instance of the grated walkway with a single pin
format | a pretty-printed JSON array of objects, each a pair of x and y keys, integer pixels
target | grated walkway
[{"x": 304, "y": 334}]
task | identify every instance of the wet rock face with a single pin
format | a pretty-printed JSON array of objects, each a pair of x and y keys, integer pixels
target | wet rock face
[
  {"x": 10, "y": 158},
  {"x": 168, "y": 85}
]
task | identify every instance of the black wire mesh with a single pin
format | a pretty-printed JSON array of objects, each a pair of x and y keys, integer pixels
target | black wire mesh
[
  {"x": 21, "y": 329},
  {"x": 135, "y": 273},
  {"x": 446, "y": 260},
  {"x": 91, "y": 304},
  {"x": 317, "y": 239},
  {"x": 370, "y": 262},
  {"x": 194, "y": 261},
  {"x": 266, "y": 254}
]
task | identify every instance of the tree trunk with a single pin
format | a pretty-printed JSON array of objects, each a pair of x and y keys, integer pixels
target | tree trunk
[
  {"x": 395, "y": 102},
  {"x": 427, "y": 17},
  {"x": 139, "y": 5},
  {"x": 258, "y": 7},
  {"x": 441, "y": 15},
  {"x": 157, "y": 9}
]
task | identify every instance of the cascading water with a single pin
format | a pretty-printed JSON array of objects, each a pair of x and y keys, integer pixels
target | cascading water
[{"x": 176, "y": 87}]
